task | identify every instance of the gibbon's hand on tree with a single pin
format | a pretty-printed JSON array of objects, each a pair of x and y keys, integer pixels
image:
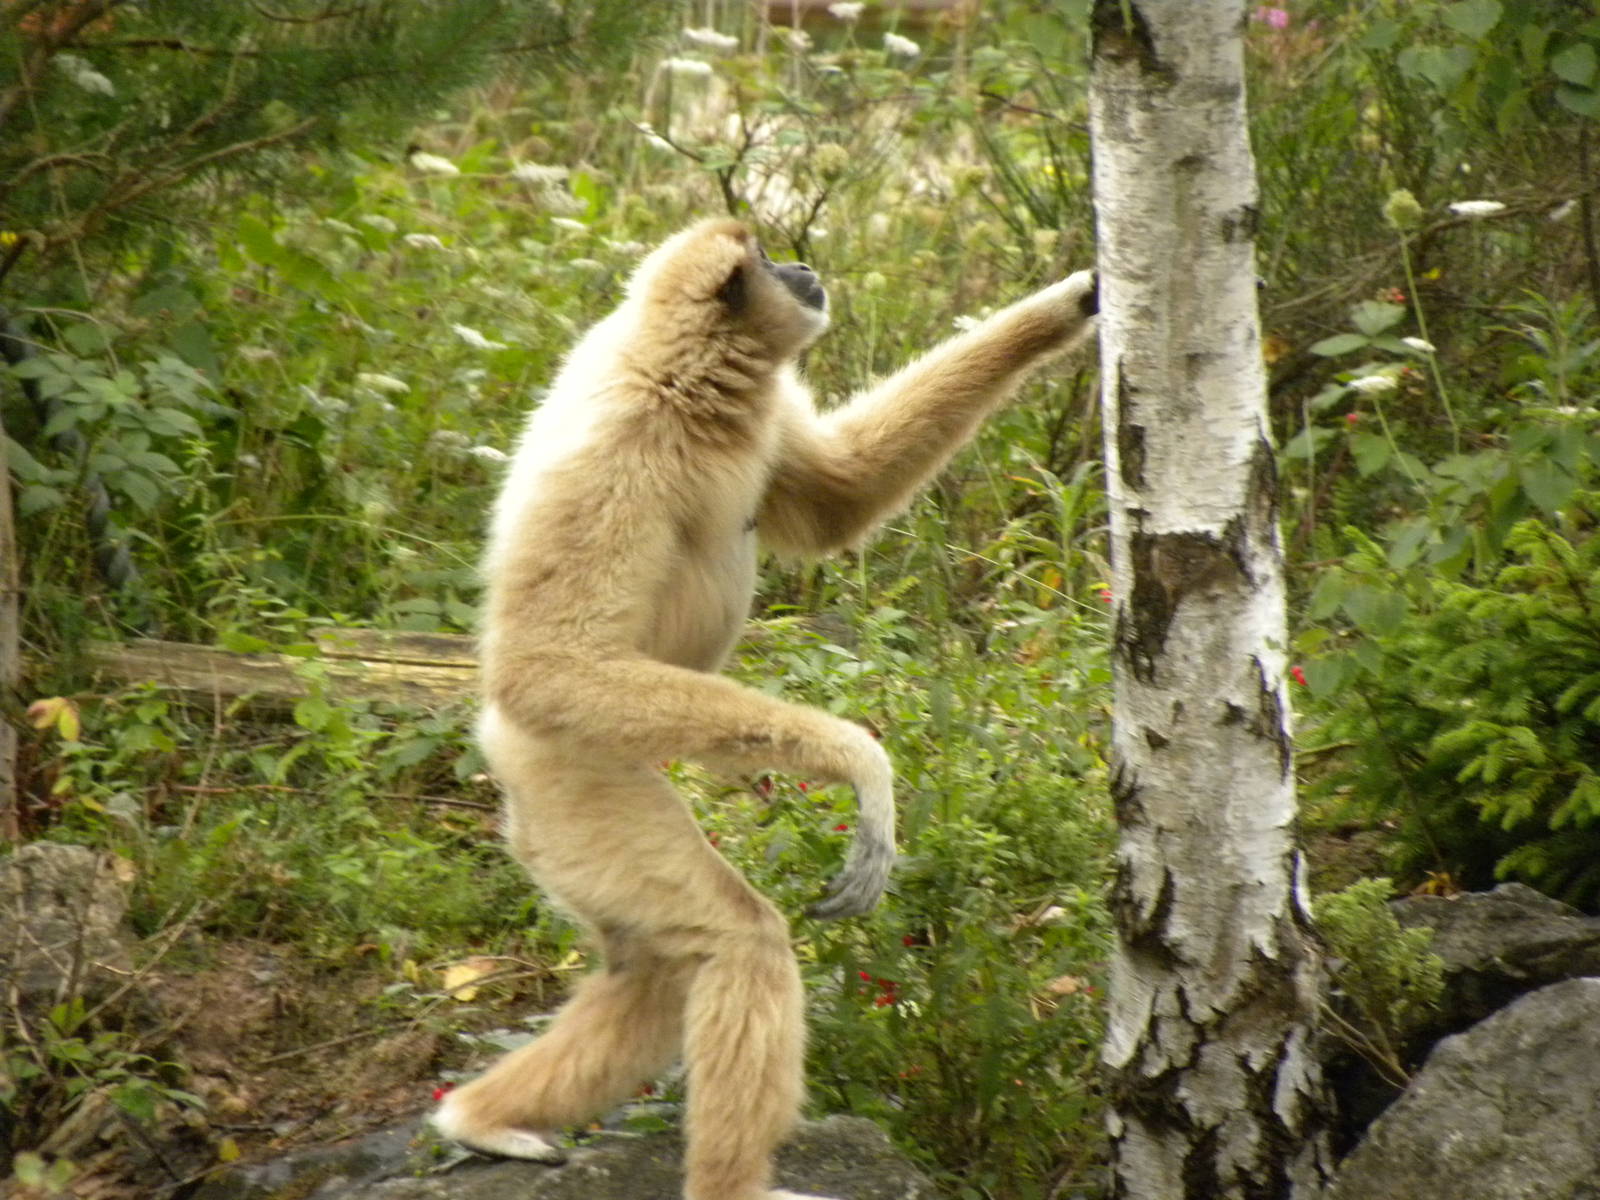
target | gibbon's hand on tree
[{"x": 621, "y": 563}]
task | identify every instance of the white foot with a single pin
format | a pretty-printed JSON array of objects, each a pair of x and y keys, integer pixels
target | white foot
[{"x": 508, "y": 1142}]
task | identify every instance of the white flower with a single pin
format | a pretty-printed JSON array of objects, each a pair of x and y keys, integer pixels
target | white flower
[
  {"x": 256, "y": 353},
  {"x": 248, "y": 462},
  {"x": 569, "y": 224},
  {"x": 379, "y": 222},
  {"x": 538, "y": 173},
  {"x": 84, "y": 75},
  {"x": 846, "y": 11},
  {"x": 452, "y": 439},
  {"x": 423, "y": 241},
  {"x": 1372, "y": 385},
  {"x": 626, "y": 249},
  {"x": 488, "y": 454},
  {"x": 798, "y": 39},
  {"x": 893, "y": 43},
  {"x": 1420, "y": 345},
  {"x": 1476, "y": 208},
  {"x": 1561, "y": 211},
  {"x": 476, "y": 340},
  {"x": 382, "y": 383},
  {"x": 711, "y": 39},
  {"x": 965, "y": 323},
  {"x": 432, "y": 164},
  {"x": 687, "y": 67}
]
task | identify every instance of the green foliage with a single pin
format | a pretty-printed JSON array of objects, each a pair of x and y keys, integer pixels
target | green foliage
[
  {"x": 1476, "y": 710},
  {"x": 107, "y": 108},
  {"x": 1387, "y": 977},
  {"x": 56, "y": 1062}
]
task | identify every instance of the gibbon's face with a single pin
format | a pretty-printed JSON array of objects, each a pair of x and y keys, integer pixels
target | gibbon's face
[{"x": 714, "y": 279}]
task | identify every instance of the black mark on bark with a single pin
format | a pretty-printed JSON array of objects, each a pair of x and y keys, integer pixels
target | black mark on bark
[
  {"x": 1130, "y": 438},
  {"x": 1167, "y": 567},
  {"x": 1121, "y": 34},
  {"x": 1156, "y": 740},
  {"x": 1241, "y": 224}
]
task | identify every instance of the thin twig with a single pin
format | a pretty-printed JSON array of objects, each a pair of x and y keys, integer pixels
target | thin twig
[{"x": 445, "y": 801}]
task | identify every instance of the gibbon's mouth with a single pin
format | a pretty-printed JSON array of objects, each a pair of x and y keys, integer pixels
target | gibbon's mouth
[{"x": 803, "y": 284}]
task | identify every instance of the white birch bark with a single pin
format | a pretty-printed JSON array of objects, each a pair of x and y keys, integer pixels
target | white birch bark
[{"x": 1214, "y": 986}]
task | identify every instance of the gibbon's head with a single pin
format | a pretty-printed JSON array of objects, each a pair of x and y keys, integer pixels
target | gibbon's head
[{"x": 714, "y": 279}]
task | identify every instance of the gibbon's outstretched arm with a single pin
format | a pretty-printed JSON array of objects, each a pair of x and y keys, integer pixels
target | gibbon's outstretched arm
[{"x": 838, "y": 475}]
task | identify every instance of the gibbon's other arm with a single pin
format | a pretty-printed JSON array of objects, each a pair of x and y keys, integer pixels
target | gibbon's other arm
[{"x": 839, "y": 474}]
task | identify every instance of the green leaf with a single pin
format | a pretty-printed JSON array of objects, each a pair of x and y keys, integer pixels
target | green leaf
[
  {"x": 1444, "y": 67},
  {"x": 1407, "y": 541},
  {"x": 1579, "y": 100},
  {"x": 1546, "y": 484},
  {"x": 257, "y": 240},
  {"x": 1576, "y": 64},
  {"x": 1372, "y": 317},
  {"x": 137, "y": 487},
  {"x": 1376, "y": 611},
  {"x": 1341, "y": 343},
  {"x": 1381, "y": 34},
  {"x": 1372, "y": 452},
  {"x": 1472, "y": 18},
  {"x": 36, "y": 498},
  {"x": 1328, "y": 595}
]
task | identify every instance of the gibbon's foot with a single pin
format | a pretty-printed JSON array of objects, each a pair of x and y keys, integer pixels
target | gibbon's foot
[
  {"x": 505, "y": 1142},
  {"x": 781, "y": 1194}
]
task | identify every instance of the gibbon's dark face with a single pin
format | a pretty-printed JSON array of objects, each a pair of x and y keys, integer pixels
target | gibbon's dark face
[{"x": 801, "y": 281}]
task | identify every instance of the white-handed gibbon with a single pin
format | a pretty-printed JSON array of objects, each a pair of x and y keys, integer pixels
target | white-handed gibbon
[{"x": 620, "y": 569}]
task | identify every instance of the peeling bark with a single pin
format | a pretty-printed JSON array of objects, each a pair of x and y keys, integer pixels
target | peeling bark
[{"x": 1215, "y": 1089}]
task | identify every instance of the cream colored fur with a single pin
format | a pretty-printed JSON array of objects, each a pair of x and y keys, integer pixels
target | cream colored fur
[{"x": 620, "y": 570}]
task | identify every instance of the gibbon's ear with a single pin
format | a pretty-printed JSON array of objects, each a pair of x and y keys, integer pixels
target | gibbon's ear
[{"x": 734, "y": 294}]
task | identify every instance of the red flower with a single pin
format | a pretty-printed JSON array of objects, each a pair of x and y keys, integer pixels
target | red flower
[
  {"x": 884, "y": 1000},
  {"x": 803, "y": 786},
  {"x": 840, "y": 828},
  {"x": 1105, "y": 595},
  {"x": 1351, "y": 418},
  {"x": 443, "y": 1090},
  {"x": 908, "y": 940},
  {"x": 865, "y": 977},
  {"x": 1298, "y": 675}
]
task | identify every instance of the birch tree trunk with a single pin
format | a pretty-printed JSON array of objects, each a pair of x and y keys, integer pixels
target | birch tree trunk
[{"x": 1214, "y": 988}]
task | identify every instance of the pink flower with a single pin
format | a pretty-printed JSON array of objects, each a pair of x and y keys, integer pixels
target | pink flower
[
  {"x": 1277, "y": 18},
  {"x": 1351, "y": 418}
]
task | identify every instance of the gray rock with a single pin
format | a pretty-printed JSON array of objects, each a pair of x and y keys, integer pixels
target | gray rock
[
  {"x": 61, "y": 913},
  {"x": 1506, "y": 1111},
  {"x": 1499, "y": 945},
  {"x": 845, "y": 1157}
]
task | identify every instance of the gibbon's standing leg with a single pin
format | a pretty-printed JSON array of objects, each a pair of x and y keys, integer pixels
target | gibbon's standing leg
[{"x": 620, "y": 569}]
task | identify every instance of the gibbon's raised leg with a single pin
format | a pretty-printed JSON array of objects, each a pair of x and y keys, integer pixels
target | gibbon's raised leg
[{"x": 620, "y": 569}]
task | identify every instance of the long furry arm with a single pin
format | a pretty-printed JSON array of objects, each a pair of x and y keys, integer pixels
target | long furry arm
[{"x": 839, "y": 475}]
